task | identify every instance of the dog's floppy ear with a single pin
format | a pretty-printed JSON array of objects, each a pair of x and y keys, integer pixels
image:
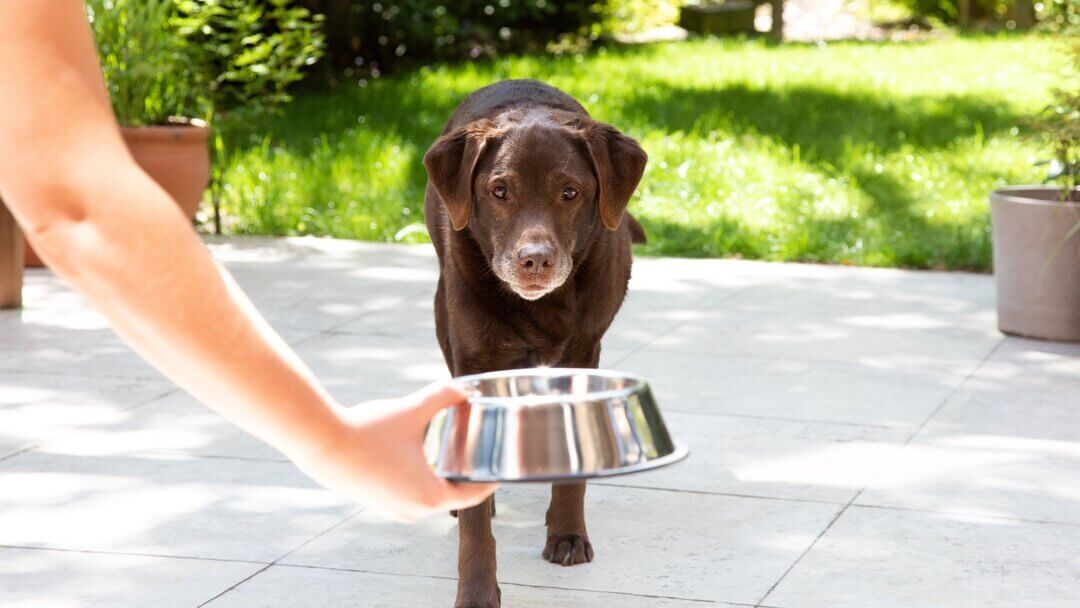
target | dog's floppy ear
[
  {"x": 451, "y": 163},
  {"x": 619, "y": 162}
]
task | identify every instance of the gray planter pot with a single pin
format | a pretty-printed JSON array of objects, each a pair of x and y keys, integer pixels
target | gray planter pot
[{"x": 1036, "y": 262}]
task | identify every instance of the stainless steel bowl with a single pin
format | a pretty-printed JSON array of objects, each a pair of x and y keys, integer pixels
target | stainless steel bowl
[{"x": 549, "y": 424}]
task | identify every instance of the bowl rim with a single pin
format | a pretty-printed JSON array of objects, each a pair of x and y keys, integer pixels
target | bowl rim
[
  {"x": 680, "y": 452},
  {"x": 531, "y": 400}
]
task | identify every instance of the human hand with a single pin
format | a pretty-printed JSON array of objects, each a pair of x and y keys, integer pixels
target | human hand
[{"x": 377, "y": 457}]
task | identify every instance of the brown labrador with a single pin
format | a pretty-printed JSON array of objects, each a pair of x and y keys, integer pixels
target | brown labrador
[{"x": 525, "y": 204}]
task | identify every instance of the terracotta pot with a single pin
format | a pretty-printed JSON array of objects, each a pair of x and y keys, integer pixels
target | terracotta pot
[
  {"x": 1037, "y": 262},
  {"x": 176, "y": 156}
]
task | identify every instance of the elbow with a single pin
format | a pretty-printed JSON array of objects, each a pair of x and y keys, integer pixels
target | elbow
[
  {"x": 56, "y": 217},
  {"x": 53, "y": 206},
  {"x": 49, "y": 215},
  {"x": 41, "y": 205}
]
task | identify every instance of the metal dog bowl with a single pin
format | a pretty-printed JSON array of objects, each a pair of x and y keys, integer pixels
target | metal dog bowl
[{"x": 550, "y": 424}]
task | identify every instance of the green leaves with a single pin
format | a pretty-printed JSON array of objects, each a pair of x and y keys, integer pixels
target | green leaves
[
  {"x": 198, "y": 58},
  {"x": 1059, "y": 124},
  {"x": 251, "y": 51},
  {"x": 149, "y": 70}
]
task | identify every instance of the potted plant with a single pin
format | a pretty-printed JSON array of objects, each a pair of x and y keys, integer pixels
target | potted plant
[
  {"x": 157, "y": 94},
  {"x": 1036, "y": 232},
  {"x": 171, "y": 66}
]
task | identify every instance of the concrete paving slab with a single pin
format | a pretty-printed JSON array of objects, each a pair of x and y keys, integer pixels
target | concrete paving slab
[
  {"x": 909, "y": 559},
  {"x": 36, "y": 408},
  {"x": 812, "y": 390},
  {"x": 1007, "y": 444},
  {"x": 774, "y": 458},
  {"x": 288, "y": 587},
  {"x": 715, "y": 548},
  {"x": 161, "y": 505},
  {"x": 34, "y": 578},
  {"x": 796, "y": 384}
]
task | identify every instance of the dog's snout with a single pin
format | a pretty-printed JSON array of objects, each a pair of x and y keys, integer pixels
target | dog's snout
[{"x": 536, "y": 258}]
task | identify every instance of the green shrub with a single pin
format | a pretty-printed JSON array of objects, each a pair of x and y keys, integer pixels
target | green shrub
[
  {"x": 1059, "y": 126},
  {"x": 637, "y": 15},
  {"x": 1061, "y": 16},
  {"x": 250, "y": 51},
  {"x": 982, "y": 11},
  {"x": 368, "y": 37},
  {"x": 149, "y": 71}
]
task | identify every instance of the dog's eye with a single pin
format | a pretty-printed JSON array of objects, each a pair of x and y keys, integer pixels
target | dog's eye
[
  {"x": 500, "y": 192},
  {"x": 569, "y": 193}
]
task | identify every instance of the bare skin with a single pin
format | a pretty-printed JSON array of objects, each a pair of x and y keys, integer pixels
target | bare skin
[{"x": 113, "y": 235}]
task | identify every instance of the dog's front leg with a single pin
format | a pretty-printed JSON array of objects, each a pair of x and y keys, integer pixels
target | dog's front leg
[
  {"x": 567, "y": 539},
  {"x": 477, "y": 585}
]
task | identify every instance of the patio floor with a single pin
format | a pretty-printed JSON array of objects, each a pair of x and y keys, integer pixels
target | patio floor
[{"x": 860, "y": 437}]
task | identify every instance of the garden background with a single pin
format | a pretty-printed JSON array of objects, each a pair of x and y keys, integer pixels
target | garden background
[{"x": 879, "y": 149}]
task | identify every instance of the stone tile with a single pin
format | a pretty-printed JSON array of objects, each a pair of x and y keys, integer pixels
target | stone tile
[
  {"x": 44, "y": 293},
  {"x": 68, "y": 343},
  {"x": 637, "y": 326},
  {"x": 993, "y": 475},
  {"x": 36, "y": 408},
  {"x": 1035, "y": 361},
  {"x": 176, "y": 424},
  {"x": 32, "y": 578},
  {"x": 783, "y": 459},
  {"x": 793, "y": 389},
  {"x": 1007, "y": 444},
  {"x": 56, "y": 332},
  {"x": 793, "y": 381},
  {"x": 886, "y": 318},
  {"x": 1025, "y": 389},
  {"x": 325, "y": 268},
  {"x": 287, "y": 587},
  {"x": 908, "y": 559},
  {"x": 298, "y": 318},
  {"x": 159, "y": 505},
  {"x": 805, "y": 338},
  {"x": 355, "y": 367},
  {"x": 652, "y": 542},
  {"x": 659, "y": 299},
  {"x": 410, "y": 322}
]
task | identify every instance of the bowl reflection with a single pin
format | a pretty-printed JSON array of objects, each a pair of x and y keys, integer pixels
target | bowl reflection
[{"x": 546, "y": 424}]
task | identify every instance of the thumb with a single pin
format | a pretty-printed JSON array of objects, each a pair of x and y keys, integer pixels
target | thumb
[
  {"x": 434, "y": 398},
  {"x": 465, "y": 495}
]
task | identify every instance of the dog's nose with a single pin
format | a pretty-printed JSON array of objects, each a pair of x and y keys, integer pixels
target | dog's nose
[{"x": 535, "y": 258}]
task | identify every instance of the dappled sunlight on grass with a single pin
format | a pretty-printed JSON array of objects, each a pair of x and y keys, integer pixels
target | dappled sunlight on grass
[{"x": 873, "y": 154}]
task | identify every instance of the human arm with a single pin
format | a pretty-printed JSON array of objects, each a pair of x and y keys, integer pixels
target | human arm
[{"x": 112, "y": 234}]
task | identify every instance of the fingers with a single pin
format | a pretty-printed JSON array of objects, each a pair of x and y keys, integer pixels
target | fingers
[
  {"x": 465, "y": 495},
  {"x": 439, "y": 396},
  {"x": 452, "y": 497}
]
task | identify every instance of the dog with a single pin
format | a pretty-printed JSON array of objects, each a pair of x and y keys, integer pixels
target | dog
[{"x": 526, "y": 207}]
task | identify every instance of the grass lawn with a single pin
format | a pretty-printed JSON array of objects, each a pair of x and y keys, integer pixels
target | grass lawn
[{"x": 862, "y": 153}]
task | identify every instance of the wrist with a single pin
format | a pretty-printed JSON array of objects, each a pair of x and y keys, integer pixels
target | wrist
[{"x": 321, "y": 433}]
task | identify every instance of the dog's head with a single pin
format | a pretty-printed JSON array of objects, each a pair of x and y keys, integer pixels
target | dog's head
[{"x": 532, "y": 188}]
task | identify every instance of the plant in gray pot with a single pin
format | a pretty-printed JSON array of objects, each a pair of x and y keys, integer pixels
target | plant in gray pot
[{"x": 1036, "y": 232}]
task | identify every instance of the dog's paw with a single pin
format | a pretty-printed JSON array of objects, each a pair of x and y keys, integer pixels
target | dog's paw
[{"x": 568, "y": 549}]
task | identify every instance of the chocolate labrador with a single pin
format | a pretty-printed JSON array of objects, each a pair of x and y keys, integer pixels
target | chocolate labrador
[{"x": 525, "y": 204}]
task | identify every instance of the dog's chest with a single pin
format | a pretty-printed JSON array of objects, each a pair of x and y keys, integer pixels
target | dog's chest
[{"x": 542, "y": 335}]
